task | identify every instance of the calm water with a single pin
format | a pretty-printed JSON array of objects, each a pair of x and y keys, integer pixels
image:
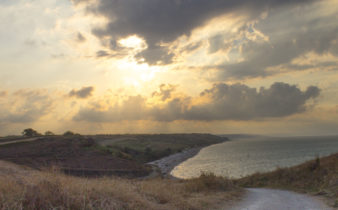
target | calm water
[{"x": 241, "y": 157}]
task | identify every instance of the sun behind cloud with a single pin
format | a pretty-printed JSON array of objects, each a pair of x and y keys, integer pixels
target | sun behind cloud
[{"x": 179, "y": 66}]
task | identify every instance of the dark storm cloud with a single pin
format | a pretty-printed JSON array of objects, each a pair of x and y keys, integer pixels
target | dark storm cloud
[
  {"x": 328, "y": 64},
  {"x": 224, "y": 102},
  {"x": 159, "y": 21},
  {"x": 84, "y": 92},
  {"x": 240, "y": 102},
  {"x": 154, "y": 54},
  {"x": 290, "y": 36}
]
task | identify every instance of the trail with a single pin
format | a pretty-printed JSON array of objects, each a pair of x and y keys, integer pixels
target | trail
[
  {"x": 19, "y": 141},
  {"x": 268, "y": 199}
]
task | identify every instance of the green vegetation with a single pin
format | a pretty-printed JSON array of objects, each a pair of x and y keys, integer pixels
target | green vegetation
[
  {"x": 319, "y": 176},
  {"x": 76, "y": 155},
  {"x": 49, "y": 133},
  {"x": 146, "y": 148},
  {"x": 92, "y": 156},
  {"x": 29, "y": 132},
  {"x": 70, "y": 133},
  {"x": 32, "y": 189}
]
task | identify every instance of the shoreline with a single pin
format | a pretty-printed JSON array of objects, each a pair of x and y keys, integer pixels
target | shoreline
[{"x": 167, "y": 164}]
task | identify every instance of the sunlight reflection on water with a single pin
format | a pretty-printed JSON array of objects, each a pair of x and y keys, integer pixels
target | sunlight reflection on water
[{"x": 241, "y": 157}]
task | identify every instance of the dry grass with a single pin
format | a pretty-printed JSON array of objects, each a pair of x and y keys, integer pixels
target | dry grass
[
  {"x": 319, "y": 176},
  {"x": 30, "y": 189},
  {"x": 208, "y": 182}
]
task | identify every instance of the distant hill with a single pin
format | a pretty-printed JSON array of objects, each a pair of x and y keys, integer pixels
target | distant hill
[
  {"x": 239, "y": 136},
  {"x": 102, "y": 155}
]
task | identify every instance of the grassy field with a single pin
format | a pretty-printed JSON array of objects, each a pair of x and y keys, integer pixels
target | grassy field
[
  {"x": 146, "y": 148},
  {"x": 101, "y": 155},
  {"x": 22, "y": 188},
  {"x": 75, "y": 155},
  {"x": 317, "y": 177}
]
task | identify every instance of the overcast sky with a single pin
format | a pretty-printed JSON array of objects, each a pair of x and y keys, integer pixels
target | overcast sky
[{"x": 155, "y": 66}]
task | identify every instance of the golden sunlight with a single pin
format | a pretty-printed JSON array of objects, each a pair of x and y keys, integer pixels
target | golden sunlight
[
  {"x": 133, "y": 42},
  {"x": 135, "y": 73}
]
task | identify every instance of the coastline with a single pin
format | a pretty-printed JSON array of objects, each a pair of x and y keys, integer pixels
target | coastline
[{"x": 164, "y": 166}]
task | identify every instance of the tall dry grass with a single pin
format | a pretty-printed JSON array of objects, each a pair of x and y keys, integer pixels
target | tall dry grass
[
  {"x": 208, "y": 182},
  {"x": 52, "y": 190}
]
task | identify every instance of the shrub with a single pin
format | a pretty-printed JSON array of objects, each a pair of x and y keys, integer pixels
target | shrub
[
  {"x": 208, "y": 181},
  {"x": 29, "y": 132},
  {"x": 49, "y": 133},
  {"x": 69, "y": 133}
]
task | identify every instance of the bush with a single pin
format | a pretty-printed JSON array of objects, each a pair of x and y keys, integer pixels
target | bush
[
  {"x": 124, "y": 155},
  {"x": 69, "y": 133},
  {"x": 29, "y": 132},
  {"x": 208, "y": 181},
  {"x": 49, "y": 133},
  {"x": 87, "y": 142}
]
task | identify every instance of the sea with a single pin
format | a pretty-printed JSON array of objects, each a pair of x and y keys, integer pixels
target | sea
[{"x": 245, "y": 155}]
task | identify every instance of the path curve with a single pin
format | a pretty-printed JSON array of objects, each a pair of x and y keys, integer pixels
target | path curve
[
  {"x": 268, "y": 199},
  {"x": 19, "y": 141}
]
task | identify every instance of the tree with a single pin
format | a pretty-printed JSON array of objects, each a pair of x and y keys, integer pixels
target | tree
[
  {"x": 29, "y": 132},
  {"x": 69, "y": 133},
  {"x": 49, "y": 133}
]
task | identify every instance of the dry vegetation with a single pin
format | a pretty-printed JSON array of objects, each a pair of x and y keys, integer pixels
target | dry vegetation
[
  {"x": 25, "y": 188},
  {"x": 318, "y": 177},
  {"x": 29, "y": 189}
]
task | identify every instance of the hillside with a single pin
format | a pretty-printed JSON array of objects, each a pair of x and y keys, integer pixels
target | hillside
[
  {"x": 74, "y": 155},
  {"x": 145, "y": 148},
  {"x": 317, "y": 177},
  {"x": 91, "y": 156}
]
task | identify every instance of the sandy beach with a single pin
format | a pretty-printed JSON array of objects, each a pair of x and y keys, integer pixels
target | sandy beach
[{"x": 167, "y": 164}]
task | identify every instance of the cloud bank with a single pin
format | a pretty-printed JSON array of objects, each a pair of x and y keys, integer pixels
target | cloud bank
[
  {"x": 160, "y": 22},
  {"x": 221, "y": 102},
  {"x": 24, "y": 106},
  {"x": 289, "y": 36}
]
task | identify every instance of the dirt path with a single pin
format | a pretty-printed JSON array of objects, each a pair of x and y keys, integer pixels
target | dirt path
[
  {"x": 268, "y": 199},
  {"x": 19, "y": 141}
]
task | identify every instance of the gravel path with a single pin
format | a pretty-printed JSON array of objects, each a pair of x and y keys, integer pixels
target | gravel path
[{"x": 268, "y": 199}]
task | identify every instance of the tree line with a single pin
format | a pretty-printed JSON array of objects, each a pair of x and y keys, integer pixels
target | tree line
[{"x": 30, "y": 132}]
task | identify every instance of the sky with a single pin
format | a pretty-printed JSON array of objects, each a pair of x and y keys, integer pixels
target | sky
[{"x": 175, "y": 66}]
